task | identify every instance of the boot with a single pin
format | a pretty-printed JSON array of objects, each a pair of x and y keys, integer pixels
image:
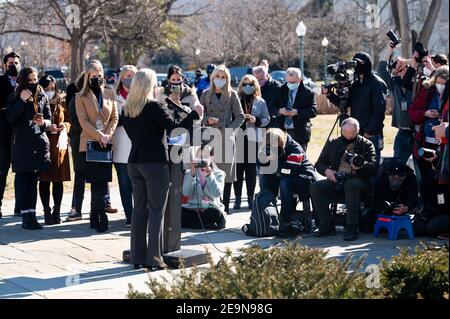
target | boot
[
  {"x": 103, "y": 223},
  {"x": 28, "y": 222},
  {"x": 48, "y": 216},
  {"x": 56, "y": 215},
  {"x": 38, "y": 225},
  {"x": 250, "y": 202},
  {"x": 237, "y": 203},
  {"x": 351, "y": 232},
  {"x": 94, "y": 220}
]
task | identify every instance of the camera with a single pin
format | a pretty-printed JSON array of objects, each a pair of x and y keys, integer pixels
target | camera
[
  {"x": 201, "y": 164},
  {"x": 394, "y": 38},
  {"x": 340, "y": 181},
  {"x": 354, "y": 159},
  {"x": 421, "y": 50},
  {"x": 426, "y": 152},
  {"x": 175, "y": 89},
  {"x": 344, "y": 76}
]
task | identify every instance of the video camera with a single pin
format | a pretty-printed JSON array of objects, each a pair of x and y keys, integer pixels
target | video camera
[{"x": 344, "y": 76}]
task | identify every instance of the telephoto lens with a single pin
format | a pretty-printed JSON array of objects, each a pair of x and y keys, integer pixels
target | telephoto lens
[
  {"x": 394, "y": 38},
  {"x": 357, "y": 161}
]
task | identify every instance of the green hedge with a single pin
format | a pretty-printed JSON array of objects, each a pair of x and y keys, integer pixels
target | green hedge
[{"x": 294, "y": 271}]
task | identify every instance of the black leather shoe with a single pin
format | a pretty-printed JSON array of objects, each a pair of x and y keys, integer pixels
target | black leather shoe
[
  {"x": 136, "y": 266},
  {"x": 38, "y": 225},
  {"x": 237, "y": 203},
  {"x": 153, "y": 268},
  {"x": 325, "y": 231},
  {"x": 48, "y": 220},
  {"x": 351, "y": 233}
]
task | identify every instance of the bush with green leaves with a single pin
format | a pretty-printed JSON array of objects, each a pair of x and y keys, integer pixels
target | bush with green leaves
[
  {"x": 291, "y": 271},
  {"x": 294, "y": 271},
  {"x": 421, "y": 274}
]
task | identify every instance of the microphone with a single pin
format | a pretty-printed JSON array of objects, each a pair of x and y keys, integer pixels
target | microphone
[{"x": 176, "y": 106}]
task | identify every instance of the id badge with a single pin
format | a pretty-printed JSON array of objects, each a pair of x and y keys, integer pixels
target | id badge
[
  {"x": 99, "y": 125},
  {"x": 441, "y": 199},
  {"x": 404, "y": 105},
  {"x": 37, "y": 129}
]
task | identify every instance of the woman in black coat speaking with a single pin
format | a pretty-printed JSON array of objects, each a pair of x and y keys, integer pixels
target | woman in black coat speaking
[{"x": 146, "y": 122}]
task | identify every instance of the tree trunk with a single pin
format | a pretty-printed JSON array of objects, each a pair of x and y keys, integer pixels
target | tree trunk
[
  {"x": 405, "y": 31},
  {"x": 75, "y": 44},
  {"x": 115, "y": 54},
  {"x": 430, "y": 21}
]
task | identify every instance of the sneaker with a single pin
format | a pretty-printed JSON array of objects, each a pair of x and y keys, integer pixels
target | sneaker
[
  {"x": 111, "y": 210},
  {"x": 73, "y": 216}
]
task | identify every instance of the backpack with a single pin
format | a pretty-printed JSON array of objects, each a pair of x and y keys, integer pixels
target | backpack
[{"x": 264, "y": 217}]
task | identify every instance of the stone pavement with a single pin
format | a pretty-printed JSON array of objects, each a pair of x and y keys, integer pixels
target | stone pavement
[{"x": 72, "y": 261}]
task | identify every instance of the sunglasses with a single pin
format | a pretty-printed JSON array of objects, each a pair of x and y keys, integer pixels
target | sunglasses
[{"x": 248, "y": 84}]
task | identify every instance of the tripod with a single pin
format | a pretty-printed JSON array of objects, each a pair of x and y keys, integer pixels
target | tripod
[{"x": 340, "y": 118}]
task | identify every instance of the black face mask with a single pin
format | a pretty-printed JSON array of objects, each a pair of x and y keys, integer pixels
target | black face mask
[
  {"x": 348, "y": 141},
  {"x": 32, "y": 87},
  {"x": 360, "y": 69},
  {"x": 95, "y": 83},
  {"x": 13, "y": 70}
]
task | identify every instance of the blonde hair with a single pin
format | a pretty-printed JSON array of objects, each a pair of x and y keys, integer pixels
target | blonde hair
[
  {"x": 442, "y": 72},
  {"x": 122, "y": 73},
  {"x": 93, "y": 66},
  {"x": 142, "y": 91},
  {"x": 255, "y": 83},
  {"x": 280, "y": 135},
  {"x": 226, "y": 91}
]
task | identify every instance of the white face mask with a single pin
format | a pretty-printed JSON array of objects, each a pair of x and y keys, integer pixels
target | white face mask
[
  {"x": 293, "y": 86},
  {"x": 440, "y": 88},
  {"x": 427, "y": 72},
  {"x": 220, "y": 83},
  {"x": 50, "y": 95}
]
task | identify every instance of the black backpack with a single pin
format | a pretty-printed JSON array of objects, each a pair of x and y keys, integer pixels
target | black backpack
[{"x": 264, "y": 218}]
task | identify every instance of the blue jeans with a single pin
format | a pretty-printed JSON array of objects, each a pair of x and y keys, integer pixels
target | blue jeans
[
  {"x": 403, "y": 145},
  {"x": 125, "y": 188},
  {"x": 288, "y": 185},
  {"x": 376, "y": 143}
]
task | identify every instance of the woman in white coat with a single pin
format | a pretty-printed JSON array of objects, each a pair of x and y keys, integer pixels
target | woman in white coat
[{"x": 122, "y": 143}]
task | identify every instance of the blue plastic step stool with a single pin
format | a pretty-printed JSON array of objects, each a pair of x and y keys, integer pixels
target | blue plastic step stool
[{"x": 393, "y": 224}]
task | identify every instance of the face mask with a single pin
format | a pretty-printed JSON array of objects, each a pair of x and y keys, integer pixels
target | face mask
[
  {"x": 293, "y": 86},
  {"x": 13, "y": 70},
  {"x": 262, "y": 83},
  {"x": 395, "y": 183},
  {"x": 248, "y": 90},
  {"x": 50, "y": 95},
  {"x": 348, "y": 141},
  {"x": 219, "y": 83},
  {"x": 95, "y": 83},
  {"x": 32, "y": 87},
  {"x": 360, "y": 69},
  {"x": 127, "y": 82},
  {"x": 440, "y": 88},
  {"x": 427, "y": 72}
]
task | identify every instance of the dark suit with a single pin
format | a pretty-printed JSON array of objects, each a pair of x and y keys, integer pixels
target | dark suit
[
  {"x": 305, "y": 103},
  {"x": 5, "y": 133}
]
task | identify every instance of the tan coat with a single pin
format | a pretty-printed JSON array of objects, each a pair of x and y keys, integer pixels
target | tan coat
[
  {"x": 60, "y": 163},
  {"x": 230, "y": 114},
  {"x": 87, "y": 112}
]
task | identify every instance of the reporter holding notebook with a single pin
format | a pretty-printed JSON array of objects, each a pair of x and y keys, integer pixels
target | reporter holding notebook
[{"x": 97, "y": 113}]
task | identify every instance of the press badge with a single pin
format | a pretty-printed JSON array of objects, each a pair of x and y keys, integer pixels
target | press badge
[
  {"x": 99, "y": 125},
  {"x": 37, "y": 129},
  {"x": 285, "y": 171},
  {"x": 441, "y": 199},
  {"x": 404, "y": 105}
]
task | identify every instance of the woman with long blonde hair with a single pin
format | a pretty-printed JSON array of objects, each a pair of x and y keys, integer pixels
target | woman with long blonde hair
[
  {"x": 96, "y": 110},
  {"x": 147, "y": 123},
  {"x": 223, "y": 110}
]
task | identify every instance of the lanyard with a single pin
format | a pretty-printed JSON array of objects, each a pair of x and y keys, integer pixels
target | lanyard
[{"x": 35, "y": 104}]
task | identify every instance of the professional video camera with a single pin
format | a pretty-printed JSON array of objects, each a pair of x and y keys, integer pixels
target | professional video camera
[{"x": 344, "y": 76}]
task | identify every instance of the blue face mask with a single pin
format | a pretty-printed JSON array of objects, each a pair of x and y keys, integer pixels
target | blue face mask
[
  {"x": 248, "y": 90},
  {"x": 293, "y": 86}
]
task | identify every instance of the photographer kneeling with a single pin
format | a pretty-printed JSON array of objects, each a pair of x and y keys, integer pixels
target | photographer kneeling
[
  {"x": 348, "y": 162},
  {"x": 294, "y": 173},
  {"x": 203, "y": 184}
]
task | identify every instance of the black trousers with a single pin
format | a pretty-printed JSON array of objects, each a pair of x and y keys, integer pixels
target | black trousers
[
  {"x": 78, "y": 190},
  {"x": 243, "y": 167},
  {"x": 26, "y": 191},
  {"x": 98, "y": 193},
  {"x": 210, "y": 218},
  {"x": 5, "y": 163},
  {"x": 57, "y": 192}
]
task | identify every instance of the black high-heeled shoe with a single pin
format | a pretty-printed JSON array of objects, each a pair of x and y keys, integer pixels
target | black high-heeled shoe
[
  {"x": 153, "y": 268},
  {"x": 137, "y": 266}
]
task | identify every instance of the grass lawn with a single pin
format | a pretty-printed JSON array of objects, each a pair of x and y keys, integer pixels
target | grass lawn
[{"x": 321, "y": 128}]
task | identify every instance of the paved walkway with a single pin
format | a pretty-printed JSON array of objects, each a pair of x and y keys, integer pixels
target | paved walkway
[{"x": 72, "y": 261}]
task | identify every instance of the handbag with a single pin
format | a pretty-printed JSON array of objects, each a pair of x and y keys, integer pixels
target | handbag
[{"x": 96, "y": 153}]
